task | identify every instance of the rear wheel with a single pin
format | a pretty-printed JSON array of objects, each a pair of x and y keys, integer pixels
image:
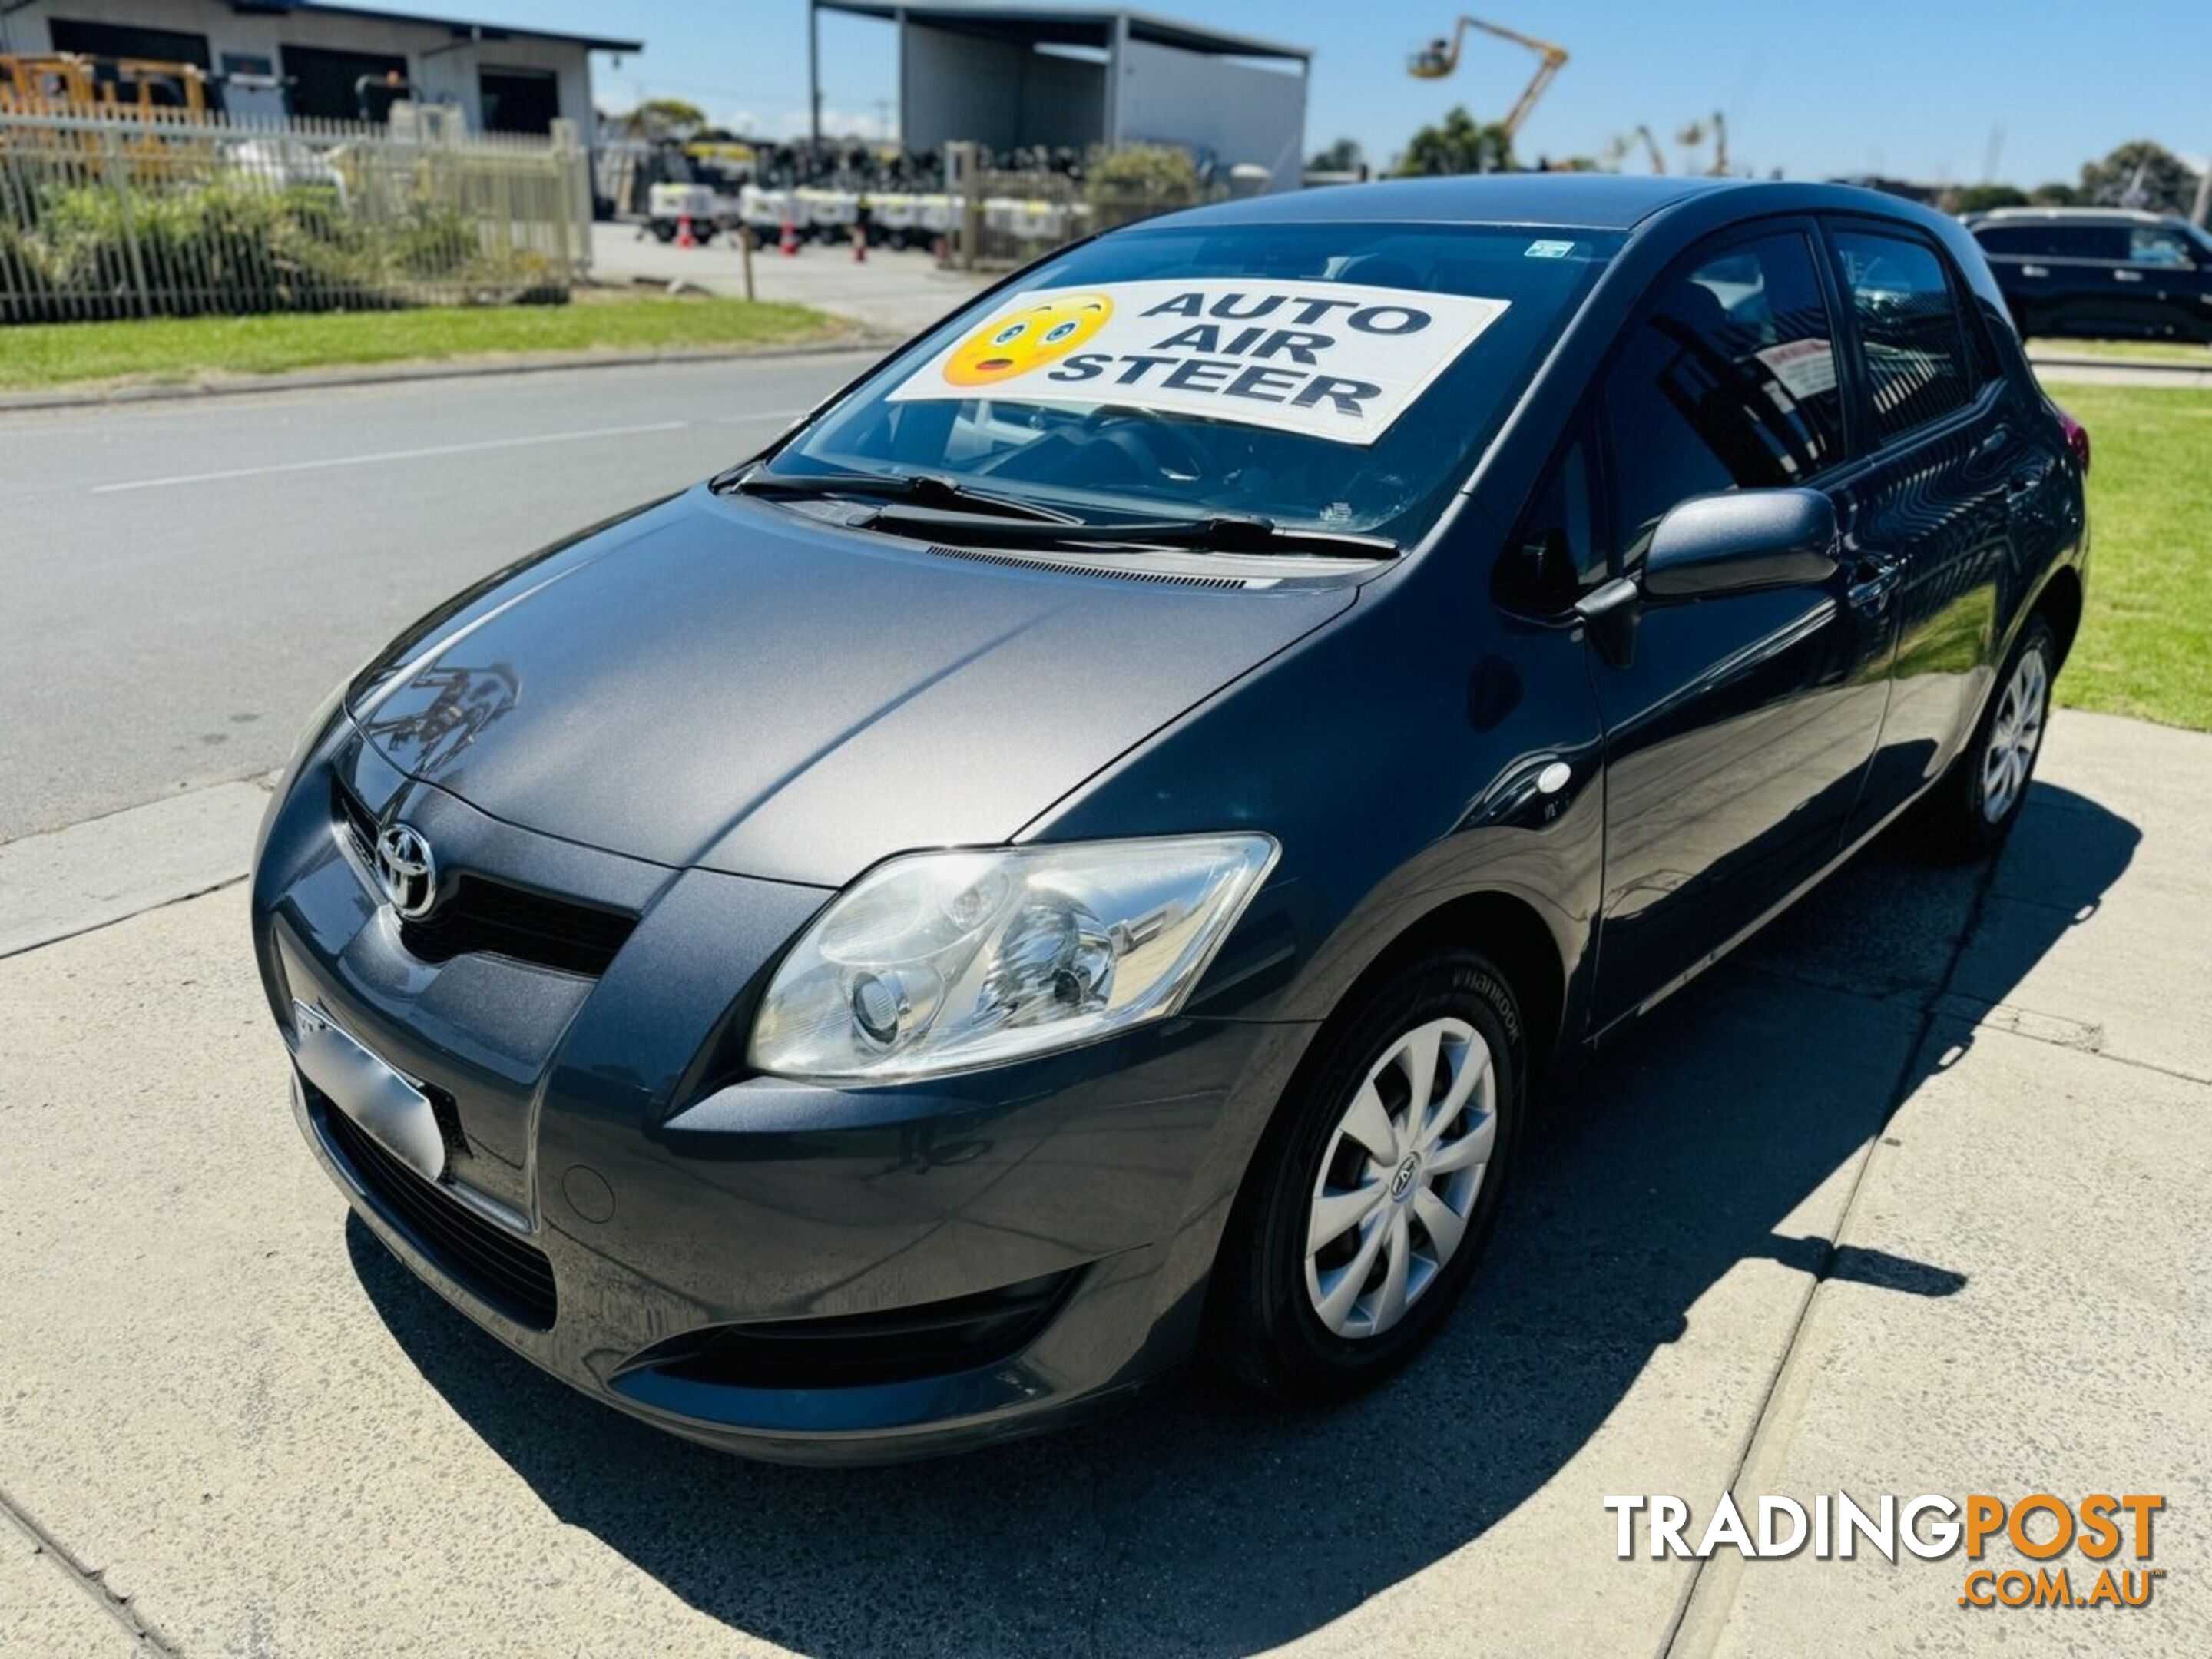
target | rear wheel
[
  {"x": 1375, "y": 1189},
  {"x": 1971, "y": 811}
]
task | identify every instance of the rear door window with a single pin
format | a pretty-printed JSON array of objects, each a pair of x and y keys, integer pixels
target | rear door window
[
  {"x": 2051, "y": 241},
  {"x": 1909, "y": 328},
  {"x": 2155, "y": 245},
  {"x": 1727, "y": 382}
]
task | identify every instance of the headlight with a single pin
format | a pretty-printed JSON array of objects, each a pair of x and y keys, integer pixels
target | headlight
[
  {"x": 944, "y": 962},
  {"x": 318, "y": 724}
]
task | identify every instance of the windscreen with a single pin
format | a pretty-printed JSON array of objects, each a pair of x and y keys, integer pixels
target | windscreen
[{"x": 1339, "y": 377}]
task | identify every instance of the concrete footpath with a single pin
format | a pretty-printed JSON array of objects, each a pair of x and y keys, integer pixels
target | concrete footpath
[{"x": 1909, "y": 1198}]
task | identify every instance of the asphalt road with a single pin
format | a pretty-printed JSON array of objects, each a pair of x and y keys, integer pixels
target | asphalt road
[{"x": 184, "y": 580}]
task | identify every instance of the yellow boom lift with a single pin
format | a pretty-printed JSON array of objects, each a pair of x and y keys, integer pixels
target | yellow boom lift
[
  {"x": 1691, "y": 137},
  {"x": 1617, "y": 151},
  {"x": 1440, "y": 57}
]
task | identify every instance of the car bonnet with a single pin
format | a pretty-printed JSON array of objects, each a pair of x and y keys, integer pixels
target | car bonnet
[{"x": 722, "y": 683}]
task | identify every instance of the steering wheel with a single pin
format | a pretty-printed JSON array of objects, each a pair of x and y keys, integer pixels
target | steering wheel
[{"x": 1166, "y": 448}]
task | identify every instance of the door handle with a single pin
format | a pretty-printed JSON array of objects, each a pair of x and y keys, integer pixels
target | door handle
[
  {"x": 2127, "y": 275},
  {"x": 1873, "y": 578},
  {"x": 2035, "y": 271}
]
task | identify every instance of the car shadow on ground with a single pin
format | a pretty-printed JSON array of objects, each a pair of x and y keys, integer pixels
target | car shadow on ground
[{"x": 1191, "y": 1523}]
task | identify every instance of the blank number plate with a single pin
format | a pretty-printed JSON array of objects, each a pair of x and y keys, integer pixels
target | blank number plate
[{"x": 387, "y": 1107}]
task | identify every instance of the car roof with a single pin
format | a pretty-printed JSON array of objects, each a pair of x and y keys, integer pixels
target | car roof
[
  {"x": 2070, "y": 216},
  {"x": 1581, "y": 201},
  {"x": 1590, "y": 201}
]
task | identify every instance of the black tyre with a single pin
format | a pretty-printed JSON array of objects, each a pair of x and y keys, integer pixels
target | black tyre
[
  {"x": 1973, "y": 808},
  {"x": 1361, "y": 1218}
]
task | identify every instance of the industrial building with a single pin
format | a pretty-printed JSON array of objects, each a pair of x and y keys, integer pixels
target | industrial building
[
  {"x": 1069, "y": 77},
  {"x": 502, "y": 77}
]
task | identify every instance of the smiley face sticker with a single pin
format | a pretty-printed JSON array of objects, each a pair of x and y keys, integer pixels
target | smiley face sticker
[{"x": 1020, "y": 340}]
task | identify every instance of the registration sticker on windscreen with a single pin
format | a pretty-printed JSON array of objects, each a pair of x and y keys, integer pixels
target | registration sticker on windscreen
[{"x": 1339, "y": 361}]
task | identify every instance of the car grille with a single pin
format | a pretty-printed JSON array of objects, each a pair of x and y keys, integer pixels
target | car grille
[
  {"x": 505, "y": 1272},
  {"x": 484, "y": 914}
]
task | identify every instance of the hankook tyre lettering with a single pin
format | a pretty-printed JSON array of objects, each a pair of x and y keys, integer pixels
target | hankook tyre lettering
[{"x": 1092, "y": 848}]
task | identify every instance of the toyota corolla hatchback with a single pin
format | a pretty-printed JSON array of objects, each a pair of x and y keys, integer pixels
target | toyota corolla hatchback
[{"x": 1091, "y": 847}]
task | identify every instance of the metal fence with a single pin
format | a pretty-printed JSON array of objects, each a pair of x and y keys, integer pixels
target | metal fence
[{"x": 161, "y": 213}]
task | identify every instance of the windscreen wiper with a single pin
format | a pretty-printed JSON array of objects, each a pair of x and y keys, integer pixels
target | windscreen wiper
[
  {"x": 923, "y": 489},
  {"x": 1219, "y": 532}
]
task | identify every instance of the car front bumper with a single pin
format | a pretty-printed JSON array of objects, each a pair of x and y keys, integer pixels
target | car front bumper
[{"x": 785, "y": 1270}]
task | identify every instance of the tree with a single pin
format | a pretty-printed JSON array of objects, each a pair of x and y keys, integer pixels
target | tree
[
  {"x": 1980, "y": 198},
  {"x": 1458, "y": 144},
  {"x": 1164, "y": 171},
  {"x": 663, "y": 118},
  {"x": 2140, "y": 174},
  {"x": 1345, "y": 155},
  {"x": 2054, "y": 195},
  {"x": 1138, "y": 181}
]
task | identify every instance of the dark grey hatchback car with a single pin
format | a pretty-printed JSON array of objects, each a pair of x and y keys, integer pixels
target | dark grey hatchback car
[{"x": 1089, "y": 847}]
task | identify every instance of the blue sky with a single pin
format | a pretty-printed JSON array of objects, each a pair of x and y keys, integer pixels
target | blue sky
[{"x": 1849, "y": 86}]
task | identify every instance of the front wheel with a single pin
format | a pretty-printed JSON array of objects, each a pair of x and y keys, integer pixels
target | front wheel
[
  {"x": 1971, "y": 810},
  {"x": 1376, "y": 1188}
]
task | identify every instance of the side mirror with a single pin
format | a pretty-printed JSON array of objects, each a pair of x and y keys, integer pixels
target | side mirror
[{"x": 1740, "y": 540}]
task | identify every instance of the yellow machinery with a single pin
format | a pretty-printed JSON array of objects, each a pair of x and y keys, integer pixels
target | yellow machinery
[
  {"x": 31, "y": 81},
  {"x": 62, "y": 81},
  {"x": 1696, "y": 134},
  {"x": 143, "y": 84},
  {"x": 1618, "y": 149},
  {"x": 1440, "y": 57}
]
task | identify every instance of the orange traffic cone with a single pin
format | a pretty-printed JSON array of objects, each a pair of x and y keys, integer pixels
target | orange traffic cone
[
  {"x": 860, "y": 244},
  {"x": 683, "y": 236},
  {"x": 787, "y": 244}
]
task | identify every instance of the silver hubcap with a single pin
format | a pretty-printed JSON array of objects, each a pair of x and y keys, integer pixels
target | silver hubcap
[
  {"x": 1399, "y": 1179},
  {"x": 2014, "y": 736}
]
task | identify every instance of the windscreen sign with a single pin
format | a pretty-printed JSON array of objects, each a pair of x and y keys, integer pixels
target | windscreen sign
[{"x": 1339, "y": 361}]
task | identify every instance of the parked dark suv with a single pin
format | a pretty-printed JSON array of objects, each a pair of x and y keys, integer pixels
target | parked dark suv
[{"x": 2089, "y": 271}]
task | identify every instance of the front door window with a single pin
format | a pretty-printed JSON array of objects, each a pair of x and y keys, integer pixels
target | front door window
[{"x": 1728, "y": 383}]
